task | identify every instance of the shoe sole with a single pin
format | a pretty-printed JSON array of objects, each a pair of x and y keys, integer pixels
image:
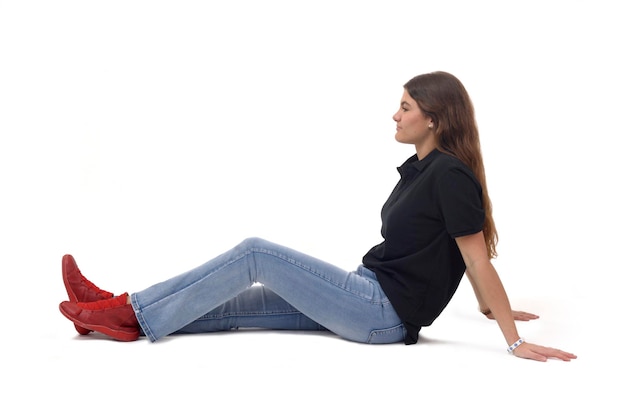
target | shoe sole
[{"x": 115, "y": 334}]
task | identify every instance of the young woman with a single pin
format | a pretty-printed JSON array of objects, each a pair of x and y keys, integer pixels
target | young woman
[{"x": 436, "y": 225}]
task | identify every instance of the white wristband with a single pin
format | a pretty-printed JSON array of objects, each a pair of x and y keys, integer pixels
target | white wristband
[{"x": 514, "y": 346}]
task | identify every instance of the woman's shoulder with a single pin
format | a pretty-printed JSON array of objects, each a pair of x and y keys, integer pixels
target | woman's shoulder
[
  {"x": 445, "y": 162},
  {"x": 448, "y": 168}
]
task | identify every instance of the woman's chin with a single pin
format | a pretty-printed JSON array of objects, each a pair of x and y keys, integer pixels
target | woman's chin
[{"x": 400, "y": 140}]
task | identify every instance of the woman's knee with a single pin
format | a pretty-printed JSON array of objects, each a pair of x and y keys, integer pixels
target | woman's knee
[{"x": 251, "y": 243}]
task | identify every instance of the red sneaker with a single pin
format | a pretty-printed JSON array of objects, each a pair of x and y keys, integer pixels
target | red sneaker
[
  {"x": 112, "y": 316},
  {"x": 79, "y": 288}
]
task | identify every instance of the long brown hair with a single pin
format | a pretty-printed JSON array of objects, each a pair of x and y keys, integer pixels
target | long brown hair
[{"x": 443, "y": 98}]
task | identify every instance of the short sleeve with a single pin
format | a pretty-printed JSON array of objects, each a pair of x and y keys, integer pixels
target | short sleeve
[{"x": 460, "y": 202}]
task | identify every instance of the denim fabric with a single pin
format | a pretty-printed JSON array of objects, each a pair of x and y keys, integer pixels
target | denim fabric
[{"x": 296, "y": 292}]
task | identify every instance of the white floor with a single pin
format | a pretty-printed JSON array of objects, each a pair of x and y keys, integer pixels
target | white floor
[
  {"x": 145, "y": 137},
  {"x": 459, "y": 365}
]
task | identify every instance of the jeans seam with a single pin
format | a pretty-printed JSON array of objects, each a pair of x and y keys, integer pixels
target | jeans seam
[
  {"x": 141, "y": 320},
  {"x": 247, "y": 313}
]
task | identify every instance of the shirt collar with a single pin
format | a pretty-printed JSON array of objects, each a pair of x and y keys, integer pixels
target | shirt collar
[{"x": 414, "y": 164}]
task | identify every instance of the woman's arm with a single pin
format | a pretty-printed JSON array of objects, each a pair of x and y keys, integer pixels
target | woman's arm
[
  {"x": 491, "y": 295},
  {"x": 482, "y": 306}
]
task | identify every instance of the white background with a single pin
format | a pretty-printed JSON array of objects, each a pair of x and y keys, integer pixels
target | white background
[{"x": 145, "y": 137}]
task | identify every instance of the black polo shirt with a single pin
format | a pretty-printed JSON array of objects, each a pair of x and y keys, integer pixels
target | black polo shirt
[{"x": 418, "y": 264}]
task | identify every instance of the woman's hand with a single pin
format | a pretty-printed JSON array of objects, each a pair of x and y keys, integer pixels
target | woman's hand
[
  {"x": 541, "y": 353},
  {"x": 517, "y": 315}
]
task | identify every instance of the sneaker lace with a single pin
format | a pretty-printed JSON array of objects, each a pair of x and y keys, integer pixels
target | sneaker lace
[{"x": 94, "y": 287}]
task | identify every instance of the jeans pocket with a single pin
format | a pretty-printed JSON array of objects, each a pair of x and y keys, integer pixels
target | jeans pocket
[{"x": 393, "y": 334}]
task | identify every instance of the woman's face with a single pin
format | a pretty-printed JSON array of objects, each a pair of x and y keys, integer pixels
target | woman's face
[{"x": 412, "y": 125}]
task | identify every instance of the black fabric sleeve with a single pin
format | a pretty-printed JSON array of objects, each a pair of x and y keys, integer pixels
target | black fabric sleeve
[{"x": 460, "y": 201}]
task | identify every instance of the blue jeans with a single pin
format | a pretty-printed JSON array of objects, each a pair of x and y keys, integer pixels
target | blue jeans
[{"x": 298, "y": 292}]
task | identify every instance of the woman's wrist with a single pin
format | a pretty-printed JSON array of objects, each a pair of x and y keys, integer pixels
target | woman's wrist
[{"x": 515, "y": 345}]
